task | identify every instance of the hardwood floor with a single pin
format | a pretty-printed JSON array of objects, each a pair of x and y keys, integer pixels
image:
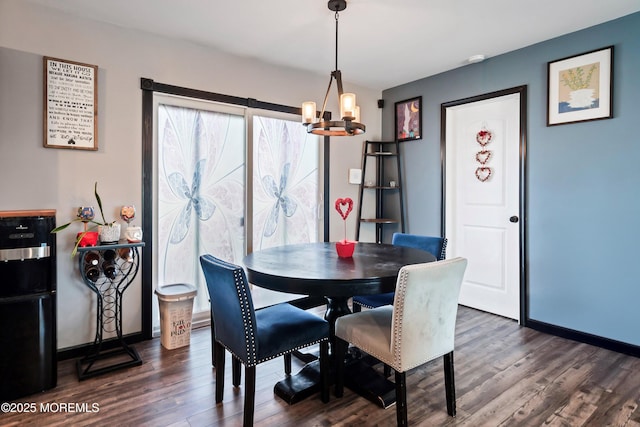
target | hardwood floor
[{"x": 505, "y": 376}]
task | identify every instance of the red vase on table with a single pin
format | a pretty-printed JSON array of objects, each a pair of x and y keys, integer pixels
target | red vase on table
[{"x": 345, "y": 248}]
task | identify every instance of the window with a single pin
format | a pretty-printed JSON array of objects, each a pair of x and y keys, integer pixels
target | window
[
  {"x": 285, "y": 183},
  {"x": 206, "y": 154}
]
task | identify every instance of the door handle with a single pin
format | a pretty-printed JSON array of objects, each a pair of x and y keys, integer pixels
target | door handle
[{"x": 514, "y": 219}]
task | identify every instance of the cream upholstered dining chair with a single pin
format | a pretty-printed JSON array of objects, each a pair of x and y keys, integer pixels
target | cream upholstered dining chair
[{"x": 418, "y": 328}]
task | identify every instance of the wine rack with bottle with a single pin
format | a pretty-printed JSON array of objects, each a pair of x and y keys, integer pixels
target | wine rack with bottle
[{"x": 108, "y": 270}]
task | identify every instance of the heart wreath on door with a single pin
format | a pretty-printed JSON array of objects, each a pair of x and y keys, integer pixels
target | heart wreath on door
[
  {"x": 483, "y": 156},
  {"x": 483, "y": 137},
  {"x": 483, "y": 173}
]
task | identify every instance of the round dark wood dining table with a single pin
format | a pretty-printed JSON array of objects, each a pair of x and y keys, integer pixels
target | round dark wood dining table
[{"x": 315, "y": 269}]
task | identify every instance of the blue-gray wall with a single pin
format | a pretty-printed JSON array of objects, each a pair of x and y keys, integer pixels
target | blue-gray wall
[{"x": 583, "y": 180}]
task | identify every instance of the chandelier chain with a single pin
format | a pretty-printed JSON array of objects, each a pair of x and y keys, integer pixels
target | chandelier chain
[{"x": 337, "y": 17}]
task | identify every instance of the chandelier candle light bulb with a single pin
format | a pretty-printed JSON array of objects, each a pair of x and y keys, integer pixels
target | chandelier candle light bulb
[
  {"x": 347, "y": 106},
  {"x": 308, "y": 112}
]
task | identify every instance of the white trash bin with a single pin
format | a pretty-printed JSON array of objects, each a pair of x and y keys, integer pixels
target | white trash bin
[{"x": 176, "y": 308}]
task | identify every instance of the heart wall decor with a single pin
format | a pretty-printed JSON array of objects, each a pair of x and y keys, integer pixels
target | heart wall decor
[
  {"x": 484, "y": 137},
  {"x": 344, "y": 207},
  {"x": 483, "y": 156},
  {"x": 483, "y": 173}
]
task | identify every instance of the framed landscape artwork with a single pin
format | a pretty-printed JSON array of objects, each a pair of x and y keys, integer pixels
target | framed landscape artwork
[
  {"x": 580, "y": 87},
  {"x": 409, "y": 119}
]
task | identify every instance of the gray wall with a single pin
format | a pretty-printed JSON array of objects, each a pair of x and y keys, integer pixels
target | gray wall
[
  {"x": 29, "y": 184},
  {"x": 582, "y": 180},
  {"x": 34, "y": 177}
]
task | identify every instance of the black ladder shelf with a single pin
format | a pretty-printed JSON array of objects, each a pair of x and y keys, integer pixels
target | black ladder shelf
[{"x": 383, "y": 153}]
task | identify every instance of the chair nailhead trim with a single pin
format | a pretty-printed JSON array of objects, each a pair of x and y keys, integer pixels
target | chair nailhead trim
[
  {"x": 249, "y": 327},
  {"x": 257, "y": 362},
  {"x": 247, "y": 319},
  {"x": 443, "y": 252},
  {"x": 398, "y": 311},
  {"x": 363, "y": 304}
]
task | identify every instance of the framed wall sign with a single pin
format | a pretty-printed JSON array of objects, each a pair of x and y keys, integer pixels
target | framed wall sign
[
  {"x": 409, "y": 119},
  {"x": 70, "y": 104},
  {"x": 580, "y": 87}
]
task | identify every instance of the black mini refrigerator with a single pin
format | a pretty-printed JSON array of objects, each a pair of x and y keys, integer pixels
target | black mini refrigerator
[{"x": 28, "y": 347}]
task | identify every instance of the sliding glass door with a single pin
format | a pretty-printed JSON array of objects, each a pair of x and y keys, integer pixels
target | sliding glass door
[
  {"x": 285, "y": 183},
  {"x": 200, "y": 191},
  {"x": 229, "y": 180}
]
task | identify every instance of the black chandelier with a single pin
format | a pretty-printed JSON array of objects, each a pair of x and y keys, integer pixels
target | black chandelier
[{"x": 349, "y": 111}]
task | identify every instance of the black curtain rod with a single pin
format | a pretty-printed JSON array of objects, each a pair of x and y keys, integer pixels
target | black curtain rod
[{"x": 150, "y": 85}]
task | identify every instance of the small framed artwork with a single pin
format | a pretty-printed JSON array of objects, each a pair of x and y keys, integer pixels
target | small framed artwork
[
  {"x": 70, "y": 104},
  {"x": 409, "y": 119},
  {"x": 580, "y": 87}
]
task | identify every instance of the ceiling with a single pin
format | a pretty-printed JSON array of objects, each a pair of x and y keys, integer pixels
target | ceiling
[{"x": 383, "y": 43}]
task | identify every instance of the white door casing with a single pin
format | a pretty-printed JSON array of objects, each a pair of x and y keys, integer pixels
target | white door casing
[{"x": 479, "y": 214}]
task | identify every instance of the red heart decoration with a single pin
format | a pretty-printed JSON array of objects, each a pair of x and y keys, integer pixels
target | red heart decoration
[
  {"x": 484, "y": 137},
  {"x": 340, "y": 203},
  {"x": 483, "y": 173},
  {"x": 483, "y": 156}
]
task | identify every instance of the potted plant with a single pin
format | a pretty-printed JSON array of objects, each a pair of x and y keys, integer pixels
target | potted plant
[{"x": 108, "y": 232}]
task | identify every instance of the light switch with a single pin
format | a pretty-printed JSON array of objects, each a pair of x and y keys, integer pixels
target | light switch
[{"x": 355, "y": 176}]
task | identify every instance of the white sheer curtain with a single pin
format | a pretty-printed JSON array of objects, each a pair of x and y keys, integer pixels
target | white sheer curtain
[
  {"x": 285, "y": 183},
  {"x": 202, "y": 195}
]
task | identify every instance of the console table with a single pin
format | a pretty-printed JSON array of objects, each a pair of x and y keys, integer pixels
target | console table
[{"x": 108, "y": 270}]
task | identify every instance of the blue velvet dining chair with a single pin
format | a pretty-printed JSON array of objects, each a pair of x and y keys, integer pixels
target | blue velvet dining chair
[
  {"x": 255, "y": 336},
  {"x": 437, "y": 246}
]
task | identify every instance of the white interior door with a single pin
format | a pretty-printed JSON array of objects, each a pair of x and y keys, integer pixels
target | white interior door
[{"x": 482, "y": 201}]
